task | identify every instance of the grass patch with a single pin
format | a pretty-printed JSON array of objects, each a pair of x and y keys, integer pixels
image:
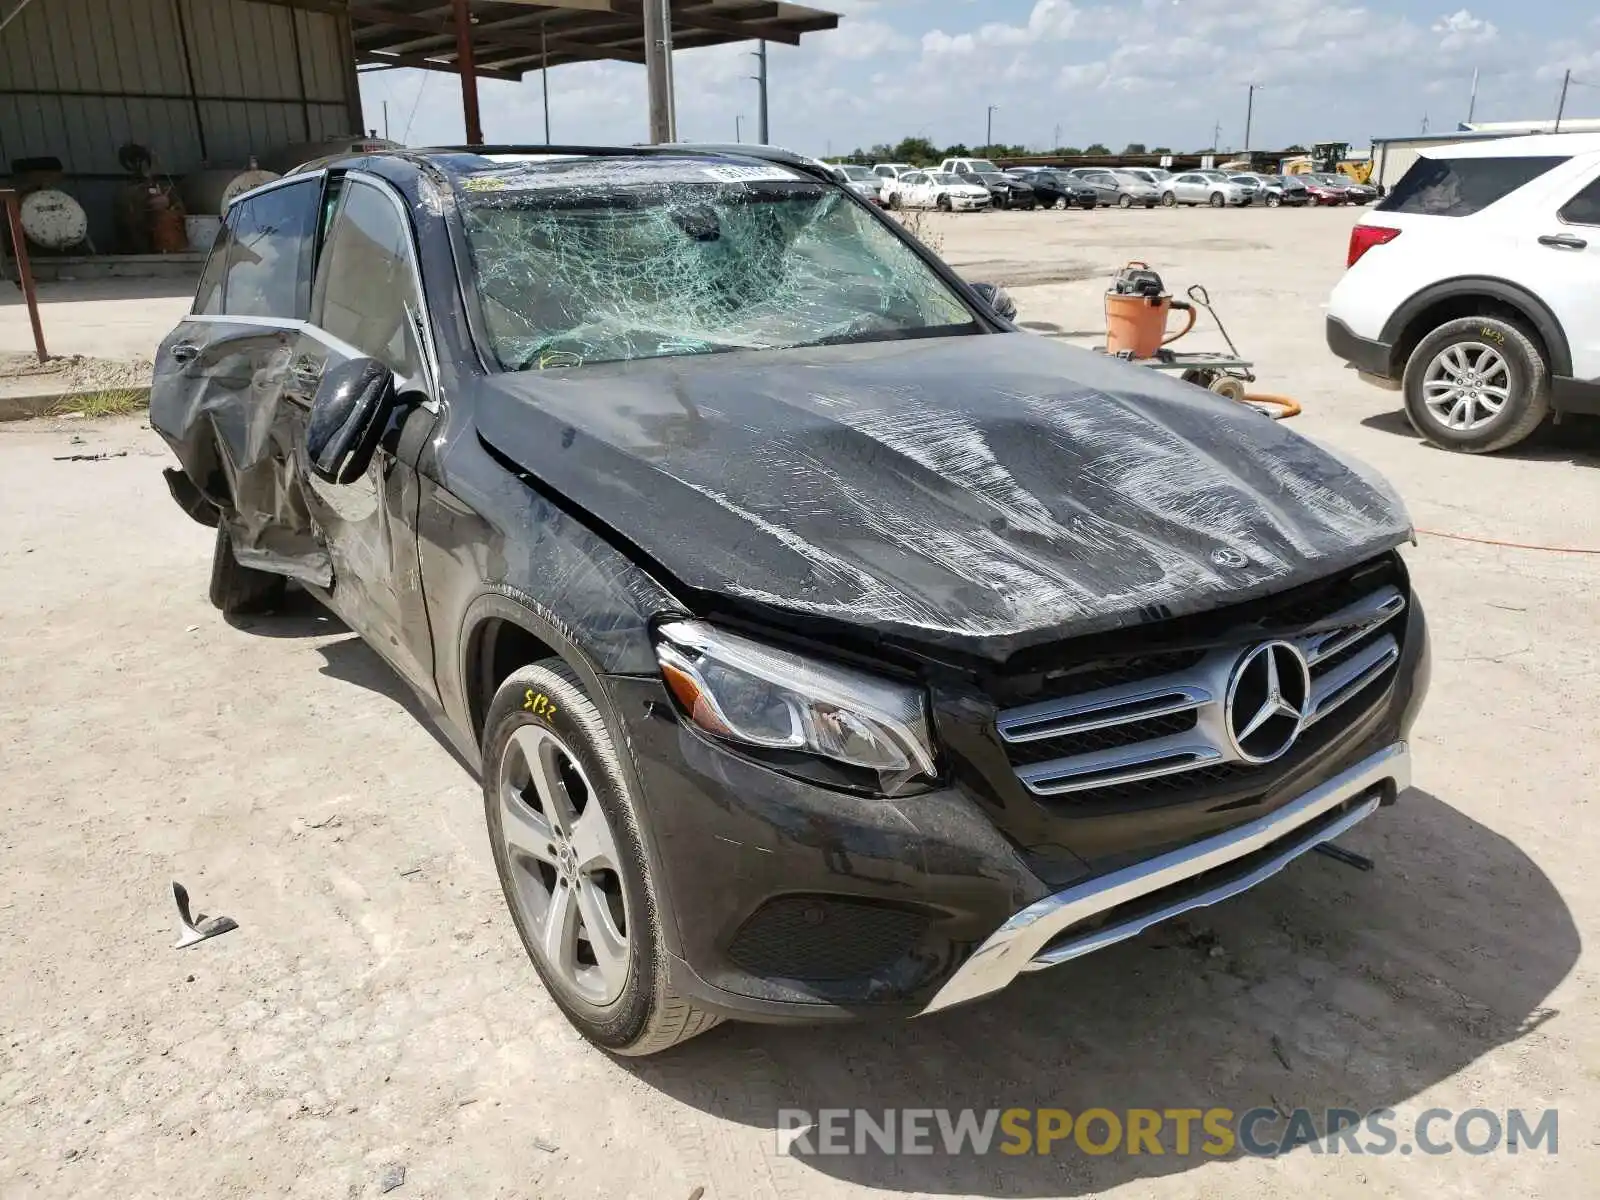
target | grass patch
[{"x": 104, "y": 402}]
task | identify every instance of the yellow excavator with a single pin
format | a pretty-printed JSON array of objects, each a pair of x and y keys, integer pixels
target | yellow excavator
[{"x": 1328, "y": 157}]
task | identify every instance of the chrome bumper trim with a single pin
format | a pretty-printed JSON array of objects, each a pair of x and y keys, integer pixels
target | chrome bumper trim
[{"x": 1019, "y": 944}]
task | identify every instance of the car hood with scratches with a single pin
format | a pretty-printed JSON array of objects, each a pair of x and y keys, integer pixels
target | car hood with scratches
[{"x": 979, "y": 494}]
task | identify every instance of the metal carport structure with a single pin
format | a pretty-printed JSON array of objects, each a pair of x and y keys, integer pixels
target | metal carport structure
[{"x": 505, "y": 39}]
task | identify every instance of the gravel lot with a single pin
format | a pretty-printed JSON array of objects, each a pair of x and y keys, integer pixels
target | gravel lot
[{"x": 374, "y": 1017}]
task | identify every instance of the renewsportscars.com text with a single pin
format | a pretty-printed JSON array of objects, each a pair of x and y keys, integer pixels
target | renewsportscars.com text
[{"x": 1179, "y": 1132}]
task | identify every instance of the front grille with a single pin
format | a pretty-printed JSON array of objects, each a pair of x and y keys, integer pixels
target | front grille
[{"x": 1153, "y": 727}]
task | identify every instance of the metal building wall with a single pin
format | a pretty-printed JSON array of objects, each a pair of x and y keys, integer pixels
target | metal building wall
[{"x": 199, "y": 82}]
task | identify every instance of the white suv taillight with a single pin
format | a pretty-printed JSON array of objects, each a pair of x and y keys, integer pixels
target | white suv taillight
[{"x": 1365, "y": 237}]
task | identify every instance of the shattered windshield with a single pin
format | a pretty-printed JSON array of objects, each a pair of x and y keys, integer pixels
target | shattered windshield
[{"x": 589, "y": 261}]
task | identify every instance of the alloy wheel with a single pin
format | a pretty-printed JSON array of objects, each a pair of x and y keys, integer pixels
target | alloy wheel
[
  {"x": 1466, "y": 385},
  {"x": 565, "y": 864}
]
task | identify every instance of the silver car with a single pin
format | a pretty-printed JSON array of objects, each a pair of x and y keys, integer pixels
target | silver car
[
  {"x": 1203, "y": 187},
  {"x": 1270, "y": 190},
  {"x": 859, "y": 180},
  {"x": 1155, "y": 176},
  {"x": 1121, "y": 188}
]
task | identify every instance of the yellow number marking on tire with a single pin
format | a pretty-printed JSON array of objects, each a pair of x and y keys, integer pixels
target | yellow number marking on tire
[{"x": 538, "y": 704}]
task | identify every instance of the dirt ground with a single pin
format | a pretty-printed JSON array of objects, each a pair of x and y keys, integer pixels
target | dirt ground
[{"x": 373, "y": 1021}]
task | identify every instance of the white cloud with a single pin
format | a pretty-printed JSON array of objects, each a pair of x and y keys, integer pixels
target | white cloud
[
  {"x": 868, "y": 39},
  {"x": 1461, "y": 29}
]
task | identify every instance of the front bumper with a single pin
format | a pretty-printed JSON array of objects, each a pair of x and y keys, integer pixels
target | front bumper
[
  {"x": 787, "y": 899},
  {"x": 1068, "y": 924}
]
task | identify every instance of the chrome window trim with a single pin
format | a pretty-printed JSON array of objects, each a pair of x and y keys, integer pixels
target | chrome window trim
[{"x": 273, "y": 185}]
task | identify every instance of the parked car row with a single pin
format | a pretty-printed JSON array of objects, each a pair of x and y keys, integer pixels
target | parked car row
[{"x": 974, "y": 184}]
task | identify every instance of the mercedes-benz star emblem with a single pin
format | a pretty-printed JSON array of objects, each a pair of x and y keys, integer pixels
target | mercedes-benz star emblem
[
  {"x": 1226, "y": 557},
  {"x": 1268, "y": 698}
]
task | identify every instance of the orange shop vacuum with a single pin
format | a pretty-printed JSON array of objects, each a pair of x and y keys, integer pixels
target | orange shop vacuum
[{"x": 1136, "y": 313}]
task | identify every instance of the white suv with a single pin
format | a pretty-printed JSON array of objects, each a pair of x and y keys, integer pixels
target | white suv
[{"x": 1474, "y": 286}]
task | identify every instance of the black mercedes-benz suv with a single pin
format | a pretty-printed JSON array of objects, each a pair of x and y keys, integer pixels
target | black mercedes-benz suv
[{"x": 826, "y": 646}]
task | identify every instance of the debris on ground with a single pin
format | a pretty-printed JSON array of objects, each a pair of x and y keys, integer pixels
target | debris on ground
[
  {"x": 101, "y": 457},
  {"x": 1280, "y": 1054},
  {"x": 198, "y": 928},
  {"x": 393, "y": 1176}
]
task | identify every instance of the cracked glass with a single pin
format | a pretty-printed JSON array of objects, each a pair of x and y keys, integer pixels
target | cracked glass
[{"x": 588, "y": 261}]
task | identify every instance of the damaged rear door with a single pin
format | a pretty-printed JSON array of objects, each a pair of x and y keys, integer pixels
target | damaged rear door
[{"x": 222, "y": 376}]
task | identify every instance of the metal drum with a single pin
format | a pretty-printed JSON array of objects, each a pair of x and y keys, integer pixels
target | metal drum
[{"x": 53, "y": 220}]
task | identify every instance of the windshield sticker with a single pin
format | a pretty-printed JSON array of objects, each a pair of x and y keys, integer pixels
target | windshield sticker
[{"x": 738, "y": 173}]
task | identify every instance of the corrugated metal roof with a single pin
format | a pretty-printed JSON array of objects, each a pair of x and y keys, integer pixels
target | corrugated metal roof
[
  {"x": 1502, "y": 129},
  {"x": 510, "y": 37}
]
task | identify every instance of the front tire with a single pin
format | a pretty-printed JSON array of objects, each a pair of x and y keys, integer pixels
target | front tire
[
  {"x": 1218, "y": 200},
  {"x": 1476, "y": 385},
  {"x": 1061, "y": 204},
  {"x": 566, "y": 841},
  {"x": 1168, "y": 200},
  {"x": 944, "y": 204},
  {"x": 238, "y": 590},
  {"x": 1273, "y": 201},
  {"x": 1124, "y": 201}
]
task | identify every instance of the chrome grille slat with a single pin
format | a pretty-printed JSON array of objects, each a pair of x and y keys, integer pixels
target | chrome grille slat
[
  {"x": 1349, "y": 625},
  {"x": 1056, "y": 718},
  {"x": 1333, "y": 688},
  {"x": 1201, "y": 689},
  {"x": 1106, "y": 768}
]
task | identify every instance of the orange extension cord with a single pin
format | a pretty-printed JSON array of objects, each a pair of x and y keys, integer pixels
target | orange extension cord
[{"x": 1483, "y": 541}]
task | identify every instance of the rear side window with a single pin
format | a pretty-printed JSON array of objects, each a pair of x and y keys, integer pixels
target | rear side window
[
  {"x": 1459, "y": 187},
  {"x": 1584, "y": 208},
  {"x": 269, "y": 240},
  {"x": 208, "y": 296}
]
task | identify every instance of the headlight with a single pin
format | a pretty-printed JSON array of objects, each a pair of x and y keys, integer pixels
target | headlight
[{"x": 760, "y": 696}]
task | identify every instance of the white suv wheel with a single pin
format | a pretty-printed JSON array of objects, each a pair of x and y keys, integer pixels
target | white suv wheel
[{"x": 1477, "y": 384}]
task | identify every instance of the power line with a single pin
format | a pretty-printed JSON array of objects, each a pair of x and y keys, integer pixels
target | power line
[{"x": 405, "y": 134}]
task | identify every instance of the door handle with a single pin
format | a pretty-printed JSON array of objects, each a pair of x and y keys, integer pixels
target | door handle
[
  {"x": 1563, "y": 241},
  {"x": 185, "y": 352}
]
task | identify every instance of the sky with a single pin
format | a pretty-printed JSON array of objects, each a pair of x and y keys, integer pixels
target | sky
[{"x": 1161, "y": 72}]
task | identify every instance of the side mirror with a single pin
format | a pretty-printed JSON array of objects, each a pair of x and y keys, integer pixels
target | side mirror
[
  {"x": 348, "y": 416},
  {"x": 997, "y": 298}
]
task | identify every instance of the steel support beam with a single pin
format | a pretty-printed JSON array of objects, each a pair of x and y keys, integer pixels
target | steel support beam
[
  {"x": 469, "y": 75},
  {"x": 658, "y": 69}
]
